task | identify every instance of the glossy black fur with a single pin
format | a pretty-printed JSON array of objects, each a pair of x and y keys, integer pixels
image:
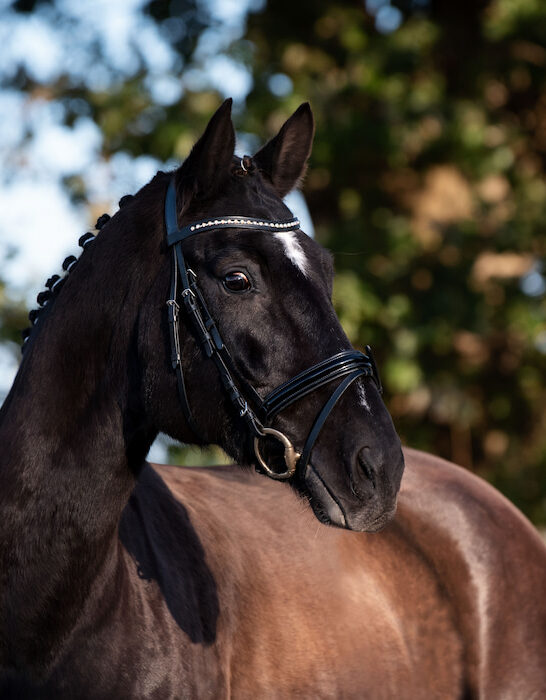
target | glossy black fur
[{"x": 100, "y": 569}]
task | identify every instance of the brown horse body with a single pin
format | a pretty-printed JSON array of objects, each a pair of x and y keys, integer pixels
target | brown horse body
[
  {"x": 447, "y": 602},
  {"x": 256, "y": 599}
]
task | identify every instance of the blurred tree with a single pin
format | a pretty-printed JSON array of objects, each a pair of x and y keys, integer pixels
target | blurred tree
[
  {"x": 63, "y": 63},
  {"x": 13, "y": 317},
  {"x": 427, "y": 182}
]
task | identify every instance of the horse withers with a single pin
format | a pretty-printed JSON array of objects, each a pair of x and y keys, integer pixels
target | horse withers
[{"x": 221, "y": 333}]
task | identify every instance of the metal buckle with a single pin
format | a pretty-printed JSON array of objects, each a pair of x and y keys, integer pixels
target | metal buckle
[
  {"x": 173, "y": 306},
  {"x": 290, "y": 455},
  {"x": 190, "y": 300}
]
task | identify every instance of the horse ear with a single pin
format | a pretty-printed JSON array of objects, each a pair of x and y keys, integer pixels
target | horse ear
[
  {"x": 283, "y": 160},
  {"x": 207, "y": 166}
]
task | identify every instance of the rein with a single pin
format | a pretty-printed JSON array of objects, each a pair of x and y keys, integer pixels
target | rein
[{"x": 348, "y": 365}]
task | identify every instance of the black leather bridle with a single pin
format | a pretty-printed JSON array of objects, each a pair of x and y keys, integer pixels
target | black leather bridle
[{"x": 257, "y": 412}]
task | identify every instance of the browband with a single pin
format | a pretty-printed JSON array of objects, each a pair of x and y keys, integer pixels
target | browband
[
  {"x": 175, "y": 234},
  {"x": 232, "y": 222}
]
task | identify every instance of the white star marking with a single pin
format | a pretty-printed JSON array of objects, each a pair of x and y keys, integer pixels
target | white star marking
[{"x": 293, "y": 249}]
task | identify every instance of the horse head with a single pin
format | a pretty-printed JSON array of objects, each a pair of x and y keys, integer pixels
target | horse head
[{"x": 266, "y": 371}]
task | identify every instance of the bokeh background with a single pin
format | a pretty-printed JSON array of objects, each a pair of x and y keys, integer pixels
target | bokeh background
[{"x": 426, "y": 181}]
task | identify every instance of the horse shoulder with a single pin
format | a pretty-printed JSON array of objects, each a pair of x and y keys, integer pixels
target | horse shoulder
[
  {"x": 148, "y": 626},
  {"x": 492, "y": 563}
]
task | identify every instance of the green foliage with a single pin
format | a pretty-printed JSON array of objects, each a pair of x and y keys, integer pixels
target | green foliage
[
  {"x": 13, "y": 316},
  {"x": 427, "y": 183}
]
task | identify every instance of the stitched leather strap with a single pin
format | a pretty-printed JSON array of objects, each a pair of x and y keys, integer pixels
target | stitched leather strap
[{"x": 313, "y": 378}]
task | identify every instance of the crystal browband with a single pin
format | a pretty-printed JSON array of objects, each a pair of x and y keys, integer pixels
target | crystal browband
[{"x": 231, "y": 222}]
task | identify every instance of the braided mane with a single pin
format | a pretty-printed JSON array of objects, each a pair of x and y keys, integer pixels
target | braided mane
[{"x": 55, "y": 283}]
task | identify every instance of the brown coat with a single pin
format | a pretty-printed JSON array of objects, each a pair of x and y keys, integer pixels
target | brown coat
[{"x": 447, "y": 602}]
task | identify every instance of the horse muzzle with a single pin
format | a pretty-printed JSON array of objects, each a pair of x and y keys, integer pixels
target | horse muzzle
[{"x": 359, "y": 497}]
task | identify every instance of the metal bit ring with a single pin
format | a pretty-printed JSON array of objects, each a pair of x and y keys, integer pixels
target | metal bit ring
[{"x": 290, "y": 455}]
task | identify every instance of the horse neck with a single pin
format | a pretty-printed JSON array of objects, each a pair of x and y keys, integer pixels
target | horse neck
[{"x": 73, "y": 439}]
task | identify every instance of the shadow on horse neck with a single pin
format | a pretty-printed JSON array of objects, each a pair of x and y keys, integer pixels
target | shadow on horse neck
[{"x": 98, "y": 382}]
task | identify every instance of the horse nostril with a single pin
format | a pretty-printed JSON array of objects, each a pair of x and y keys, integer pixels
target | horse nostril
[{"x": 366, "y": 466}]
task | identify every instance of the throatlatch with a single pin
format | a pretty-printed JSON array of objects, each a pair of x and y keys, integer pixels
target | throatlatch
[{"x": 348, "y": 365}]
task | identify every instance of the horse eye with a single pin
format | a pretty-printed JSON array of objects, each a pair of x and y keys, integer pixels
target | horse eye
[{"x": 237, "y": 282}]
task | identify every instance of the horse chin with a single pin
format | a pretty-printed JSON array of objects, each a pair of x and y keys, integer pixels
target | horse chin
[
  {"x": 379, "y": 523},
  {"x": 328, "y": 510}
]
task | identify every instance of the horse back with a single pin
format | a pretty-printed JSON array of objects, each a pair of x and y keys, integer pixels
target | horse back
[
  {"x": 458, "y": 578},
  {"x": 492, "y": 563}
]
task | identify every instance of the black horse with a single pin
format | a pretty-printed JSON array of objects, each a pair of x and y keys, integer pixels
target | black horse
[{"x": 200, "y": 310}]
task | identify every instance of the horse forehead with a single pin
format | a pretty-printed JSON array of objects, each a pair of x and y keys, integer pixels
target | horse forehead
[{"x": 293, "y": 250}]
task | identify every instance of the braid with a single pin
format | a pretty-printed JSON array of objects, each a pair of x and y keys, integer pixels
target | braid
[
  {"x": 55, "y": 283},
  {"x": 126, "y": 200},
  {"x": 102, "y": 221}
]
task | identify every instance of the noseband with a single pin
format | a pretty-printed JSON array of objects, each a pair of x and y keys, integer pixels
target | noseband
[{"x": 346, "y": 366}]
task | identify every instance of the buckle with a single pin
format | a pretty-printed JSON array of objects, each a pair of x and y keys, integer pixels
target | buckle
[
  {"x": 173, "y": 310},
  {"x": 189, "y": 299}
]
